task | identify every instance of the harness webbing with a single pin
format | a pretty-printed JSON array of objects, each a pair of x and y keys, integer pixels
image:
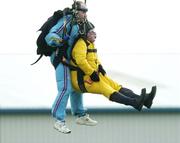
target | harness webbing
[{"x": 92, "y": 50}]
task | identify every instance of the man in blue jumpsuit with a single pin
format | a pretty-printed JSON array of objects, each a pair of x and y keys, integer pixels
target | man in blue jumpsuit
[{"x": 67, "y": 29}]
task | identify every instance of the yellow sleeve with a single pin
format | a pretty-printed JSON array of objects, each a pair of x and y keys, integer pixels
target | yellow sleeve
[
  {"x": 98, "y": 61},
  {"x": 79, "y": 53}
]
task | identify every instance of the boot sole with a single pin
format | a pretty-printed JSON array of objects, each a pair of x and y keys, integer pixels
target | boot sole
[
  {"x": 61, "y": 131},
  {"x": 152, "y": 94},
  {"x": 86, "y": 124}
]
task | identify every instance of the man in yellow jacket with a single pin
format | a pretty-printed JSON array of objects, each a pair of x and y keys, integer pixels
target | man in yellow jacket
[{"x": 89, "y": 75}]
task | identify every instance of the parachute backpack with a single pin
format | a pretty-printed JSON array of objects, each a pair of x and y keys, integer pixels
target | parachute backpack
[{"x": 42, "y": 48}]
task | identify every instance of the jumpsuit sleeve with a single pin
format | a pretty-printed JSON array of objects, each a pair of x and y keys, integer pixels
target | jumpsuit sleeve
[
  {"x": 79, "y": 54},
  {"x": 98, "y": 61},
  {"x": 54, "y": 37},
  {"x": 53, "y": 40}
]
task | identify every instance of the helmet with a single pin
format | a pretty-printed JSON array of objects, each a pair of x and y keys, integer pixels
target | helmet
[
  {"x": 85, "y": 27},
  {"x": 79, "y": 6},
  {"x": 89, "y": 26}
]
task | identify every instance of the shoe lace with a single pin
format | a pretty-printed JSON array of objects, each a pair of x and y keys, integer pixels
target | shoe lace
[
  {"x": 64, "y": 127},
  {"x": 87, "y": 118}
]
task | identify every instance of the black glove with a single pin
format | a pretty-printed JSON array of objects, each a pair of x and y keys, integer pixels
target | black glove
[
  {"x": 101, "y": 70},
  {"x": 62, "y": 52},
  {"x": 94, "y": 76}
]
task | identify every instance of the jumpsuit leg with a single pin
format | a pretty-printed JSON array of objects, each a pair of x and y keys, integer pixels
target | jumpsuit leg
[
  {"x": 64, "y": 88},
  {"x": 101, "y": 87},
  {"x": 76, "y": 100},
  {"x": 111, "y": 82}
]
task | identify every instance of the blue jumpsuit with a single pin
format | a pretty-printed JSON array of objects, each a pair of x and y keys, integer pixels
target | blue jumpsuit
[{"x": 62, "y": 72}]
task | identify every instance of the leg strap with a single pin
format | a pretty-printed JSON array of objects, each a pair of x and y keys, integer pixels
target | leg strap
[{"x": 80, "y": 78}]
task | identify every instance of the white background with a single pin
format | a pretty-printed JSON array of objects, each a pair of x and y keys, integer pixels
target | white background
[{"x": 137, "y": 41}]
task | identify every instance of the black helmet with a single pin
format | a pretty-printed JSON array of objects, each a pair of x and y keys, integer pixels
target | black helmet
[
  {"x": 85, "y": 27},
  {"x": 89, "y": 26},
  {"x": 79, "y": 6}
]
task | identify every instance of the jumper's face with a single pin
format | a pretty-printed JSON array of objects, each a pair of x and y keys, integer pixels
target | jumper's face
[
  {"x": 81, "y": 11},
  {"x": 91, "y": 36},
  {"x": 81, "y": 15}
]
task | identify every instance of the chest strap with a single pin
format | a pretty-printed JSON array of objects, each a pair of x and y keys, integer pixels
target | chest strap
[{"x": 91, "y": 50}]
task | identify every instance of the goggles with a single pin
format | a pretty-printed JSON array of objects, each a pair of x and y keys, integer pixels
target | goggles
[{"x": 82, "y": 9}]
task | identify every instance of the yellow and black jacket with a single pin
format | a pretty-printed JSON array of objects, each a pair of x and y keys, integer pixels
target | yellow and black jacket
[{"x": 84, "y": 56}]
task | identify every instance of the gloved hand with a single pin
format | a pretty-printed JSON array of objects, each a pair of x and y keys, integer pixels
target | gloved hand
[
  {"x": 66, "y": 38},
  {"x": 94, "y": 76},
  {"x": 62, "y": 51},
  {"x": 101, "y": 70}
]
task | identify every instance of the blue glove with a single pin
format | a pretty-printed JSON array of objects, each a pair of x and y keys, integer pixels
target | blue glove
[{"x": 66, "y": 38}]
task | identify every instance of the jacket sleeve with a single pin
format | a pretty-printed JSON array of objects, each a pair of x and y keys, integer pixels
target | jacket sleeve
[
  {"x": 98, "y": 61},
  {"x": 79, "y": 54},
  {"x": 54, "y": 37},
  {"x": 53, "y": 40}
]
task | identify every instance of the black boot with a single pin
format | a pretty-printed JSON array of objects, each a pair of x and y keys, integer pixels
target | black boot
[
  {"x": 129, "y": 93},
  {"x": 149, "y": 97},
  {"x": 137, "y": 103}
]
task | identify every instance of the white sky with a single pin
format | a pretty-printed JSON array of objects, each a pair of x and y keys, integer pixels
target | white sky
[{"x": 137, "y": 39}]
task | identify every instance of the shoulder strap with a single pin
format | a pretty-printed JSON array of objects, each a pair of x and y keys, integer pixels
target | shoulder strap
[{"x": 92, "y": 50}]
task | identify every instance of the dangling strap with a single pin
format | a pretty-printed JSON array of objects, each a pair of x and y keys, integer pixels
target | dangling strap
[
  {"x": 37, "y": 59},
  {"x": 80, "y": 78},
  {"x": 56, "y": 61}
]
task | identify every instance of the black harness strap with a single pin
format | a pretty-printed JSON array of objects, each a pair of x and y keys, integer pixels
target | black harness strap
[
  {"x": 56, "y": 61},
  {"x": 80, "y": 78},
  {"x": 92, "y": 50}
]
